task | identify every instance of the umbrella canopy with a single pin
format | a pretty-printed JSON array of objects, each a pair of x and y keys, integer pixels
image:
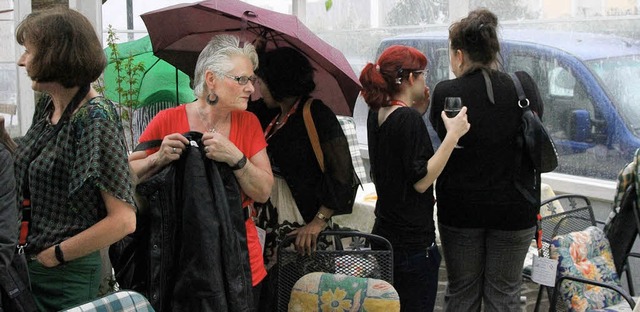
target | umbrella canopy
[
  {"x": 159, "y": 82},
  {"x": 179, "y": 33}
]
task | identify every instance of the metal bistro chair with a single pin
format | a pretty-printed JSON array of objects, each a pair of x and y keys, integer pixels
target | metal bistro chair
[
  {"x": 587, "y": 278},
  {"x": 576, "y": 214},
  {"x": 349, "y": 255}
]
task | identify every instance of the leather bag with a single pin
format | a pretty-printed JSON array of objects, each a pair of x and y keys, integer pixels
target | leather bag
[{"x": 538, "y": 145}]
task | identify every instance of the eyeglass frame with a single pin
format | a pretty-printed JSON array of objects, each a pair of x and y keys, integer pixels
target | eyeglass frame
[
  {"x": 421, "y": 71},
  {"x": 240, "y": 79}
]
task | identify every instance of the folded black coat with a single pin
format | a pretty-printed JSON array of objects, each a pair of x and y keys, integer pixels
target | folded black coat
[{"x": 189, "y": 252}]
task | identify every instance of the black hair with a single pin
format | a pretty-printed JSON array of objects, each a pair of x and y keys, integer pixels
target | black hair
[{"x": 286, "y": 72}]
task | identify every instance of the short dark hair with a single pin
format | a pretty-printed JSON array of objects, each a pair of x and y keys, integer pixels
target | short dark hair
[
  {"x": 66, "y": 47},
  {"x": 286, "y": 72}
]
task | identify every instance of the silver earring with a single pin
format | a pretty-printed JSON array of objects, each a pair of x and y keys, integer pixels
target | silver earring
[
  {"x": 210, "y": 101},
  {"x": 399, "y": 80}
]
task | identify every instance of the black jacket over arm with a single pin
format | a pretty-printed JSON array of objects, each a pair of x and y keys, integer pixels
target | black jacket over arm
[{"x": 190, "y": 244}]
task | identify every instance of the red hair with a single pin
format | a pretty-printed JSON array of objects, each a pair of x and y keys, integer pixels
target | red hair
[{"x": 382, "y": 80}]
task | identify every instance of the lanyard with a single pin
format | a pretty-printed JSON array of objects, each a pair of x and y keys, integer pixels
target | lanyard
[
  {"x": 397, "y": 103},
  {"x": 267, "y": 132}
]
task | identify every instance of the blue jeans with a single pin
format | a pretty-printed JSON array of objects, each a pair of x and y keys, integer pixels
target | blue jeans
[
  {"x": 415, "y": 277},
  {"x": 483, "y": 265}
]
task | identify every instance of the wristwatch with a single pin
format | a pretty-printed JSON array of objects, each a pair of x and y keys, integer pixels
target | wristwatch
[
  {"x": 322, "y": 217},
  {"x": 240, "y": 164}
]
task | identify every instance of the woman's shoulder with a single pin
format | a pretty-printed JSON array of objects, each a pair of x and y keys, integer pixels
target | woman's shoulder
[
  {"x": 244, "y": 116},
  {"x": 172, "y": 112},
  {"x": 98, "y": 107},
  {"x": 446, "y": 85}
]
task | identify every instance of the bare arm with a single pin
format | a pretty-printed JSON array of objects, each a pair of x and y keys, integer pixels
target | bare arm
[
  {"x": 144, "y": 166},
  {"x": 456, "y": 128},
  {"x": 255, "y": 178},
  {"x": 307, "y": 235},
  {"x": 120, "y": 221}
]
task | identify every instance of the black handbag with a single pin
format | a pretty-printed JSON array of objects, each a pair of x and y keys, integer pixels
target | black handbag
[{"x": 538, "y": 144}]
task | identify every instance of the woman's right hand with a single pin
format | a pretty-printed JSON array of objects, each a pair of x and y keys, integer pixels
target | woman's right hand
[
  {"x": 458, "y": 125},
  {"x": 171, "y": 148}
]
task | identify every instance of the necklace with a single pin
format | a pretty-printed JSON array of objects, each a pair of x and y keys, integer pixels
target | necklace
[
  {"x": 205, "y": 121},
  {"x": 268, "y": 133}
]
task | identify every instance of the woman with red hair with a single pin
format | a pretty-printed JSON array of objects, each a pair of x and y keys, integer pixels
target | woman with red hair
[{"x": 404, "y": 167}]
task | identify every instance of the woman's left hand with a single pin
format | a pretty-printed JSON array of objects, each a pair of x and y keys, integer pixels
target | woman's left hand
[
  {"x": 218, "y": 147},
  {"x": 47, "y": 258},
  {"x": 307, "y": 236}
]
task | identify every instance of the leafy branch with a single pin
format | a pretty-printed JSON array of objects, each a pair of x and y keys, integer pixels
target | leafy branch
[{"x": 128, "y": 73}]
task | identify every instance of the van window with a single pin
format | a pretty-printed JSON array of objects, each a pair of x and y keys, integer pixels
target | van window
[
  {"x": 621, "y": 76},
  {"x": 441, "y": 72}
]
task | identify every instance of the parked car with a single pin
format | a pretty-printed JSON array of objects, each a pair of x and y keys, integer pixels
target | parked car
[{"x": 589, "y": 84}]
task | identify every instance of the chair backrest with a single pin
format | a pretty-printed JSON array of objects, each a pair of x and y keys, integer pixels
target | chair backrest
[
  {"x": 359, "y": 261},
  {"x": 577, "y": 215},
  {"x": 349, "y": 128},
  {"x": 585, "y": 254},
  {"x": 143, "y": 115},
  {"x": 320, "y": 291}
]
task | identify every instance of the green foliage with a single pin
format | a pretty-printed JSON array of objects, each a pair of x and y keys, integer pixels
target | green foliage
[
  {"x": 328, "y": 4},
  {"x": 127, "y": 78},
  {"x": 415, "y": 12}
]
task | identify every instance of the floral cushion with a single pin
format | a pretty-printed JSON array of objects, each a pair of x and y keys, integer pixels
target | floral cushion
[
  {"x": 336, "y": 292},
  {"x": 586, "y": 254}
]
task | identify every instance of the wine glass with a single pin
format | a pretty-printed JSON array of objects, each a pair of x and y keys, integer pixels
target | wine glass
[{"x": 452, "y": 106}]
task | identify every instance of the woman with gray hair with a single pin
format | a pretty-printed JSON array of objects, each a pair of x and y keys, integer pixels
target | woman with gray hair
[{"x": 224, "y": 80}]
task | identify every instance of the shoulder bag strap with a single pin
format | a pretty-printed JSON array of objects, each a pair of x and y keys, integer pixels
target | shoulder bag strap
[
  {"x": 312, "y": 132},
  {"x": 520, "y": 91},
  {"x": 143, "y": 146}
]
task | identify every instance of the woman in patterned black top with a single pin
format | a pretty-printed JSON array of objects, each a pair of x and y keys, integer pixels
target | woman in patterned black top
[{"x": 72, "y": 162}]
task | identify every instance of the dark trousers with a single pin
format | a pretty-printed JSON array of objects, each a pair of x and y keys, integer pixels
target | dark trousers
[{"x": 415, "y": 277}]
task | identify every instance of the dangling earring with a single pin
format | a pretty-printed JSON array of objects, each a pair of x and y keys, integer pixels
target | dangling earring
[{"x": 210, "y": 101}]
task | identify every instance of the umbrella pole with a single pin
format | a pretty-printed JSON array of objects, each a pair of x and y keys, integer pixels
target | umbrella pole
[{"x": 177, "y": 94}]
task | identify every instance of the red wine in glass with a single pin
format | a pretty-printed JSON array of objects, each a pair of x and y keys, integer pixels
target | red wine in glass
[{"x": 452, "y": 106}]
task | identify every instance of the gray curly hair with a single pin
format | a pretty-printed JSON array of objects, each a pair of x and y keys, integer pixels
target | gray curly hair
[{"x": 216, "y": 57}]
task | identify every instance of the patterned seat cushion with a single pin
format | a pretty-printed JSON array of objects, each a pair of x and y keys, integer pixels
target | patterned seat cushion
[
  {"x": 121, "y": 301},
  {"x": 586, "y": 254},
  {"x": 336, "y": 292}
]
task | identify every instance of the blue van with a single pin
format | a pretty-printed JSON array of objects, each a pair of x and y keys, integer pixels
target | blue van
[{"x": 590, "y": 84}]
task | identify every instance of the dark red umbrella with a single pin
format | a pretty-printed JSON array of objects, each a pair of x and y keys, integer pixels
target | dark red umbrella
[{"x": 178, "y": 34}]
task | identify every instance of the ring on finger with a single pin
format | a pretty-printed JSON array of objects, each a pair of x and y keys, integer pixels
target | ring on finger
[
  {"x": 173, "y": 149},
  {"x": 206, "y": 149}
]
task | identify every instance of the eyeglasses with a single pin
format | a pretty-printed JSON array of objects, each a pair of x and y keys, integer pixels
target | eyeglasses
[
  {"x": 422, "y": 71},
  {"x": 243, "y": 80}
]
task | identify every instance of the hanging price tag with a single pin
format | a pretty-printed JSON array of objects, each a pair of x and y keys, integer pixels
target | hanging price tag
[{"x": 544, "y": 271}]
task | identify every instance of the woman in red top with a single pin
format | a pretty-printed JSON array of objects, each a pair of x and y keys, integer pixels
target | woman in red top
[{"x": 223, "y": 83}]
